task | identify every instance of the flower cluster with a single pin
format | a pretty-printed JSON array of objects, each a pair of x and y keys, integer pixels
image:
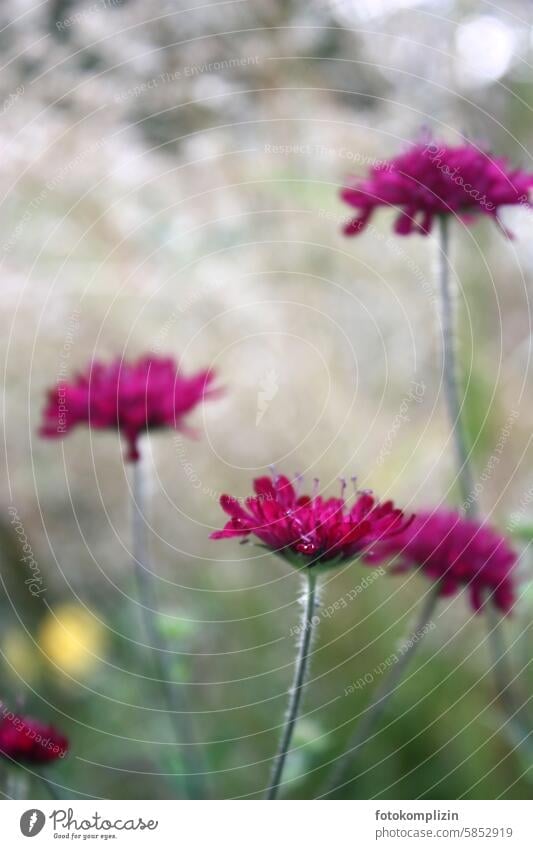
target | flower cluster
[
  {"x": 27, "y": 741},
  {"x": 133, "y": 398},
  {"x": 456, "y": 552},
  {"x": 307, "y": 529},
  {"x": 437, "y": 179}
]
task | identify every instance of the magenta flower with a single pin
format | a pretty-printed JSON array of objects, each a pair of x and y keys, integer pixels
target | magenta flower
[
  {"x": 28, "y": 741},
  {"x": 457, "y": 552},
  {"x": 148, "y": 394},
  {"x": 308, "y": 529},
  {"x": 435, "y": 179}
]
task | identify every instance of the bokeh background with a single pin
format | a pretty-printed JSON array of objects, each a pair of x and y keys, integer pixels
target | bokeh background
[{"x": 169, "y": 178}]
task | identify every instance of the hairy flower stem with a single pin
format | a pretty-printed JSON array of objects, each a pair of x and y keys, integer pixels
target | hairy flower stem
[
  {"x": 448, "y": 305},
  {"x": 300, "y": 675},
  {"x": 193, "y": 781},
  {"x": 383, "y": 693},
  {"x": 500, "y": 667}
]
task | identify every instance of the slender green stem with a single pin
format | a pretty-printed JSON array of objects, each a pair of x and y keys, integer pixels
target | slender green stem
[
  {"x": 180, "y": 717},
  {"x": 17, "y": 783},
  {"x": 518, "y": 720},
  {"x": 300, "y": 677},
  {"x": 448, "y": 302},
  {"x": 51, "y": 788},
  {"x": 385, "y": 691},
  {"x": 500, "y": 666}
]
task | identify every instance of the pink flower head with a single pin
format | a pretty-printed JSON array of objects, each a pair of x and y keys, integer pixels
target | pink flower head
[
  {"x": 306, "y": 529},
  {"x": 435, "y": 179},
  {"x": 457, "y": 552},
  {"x": 132, "y": 397},
  {"x": 28, "y": 741}
]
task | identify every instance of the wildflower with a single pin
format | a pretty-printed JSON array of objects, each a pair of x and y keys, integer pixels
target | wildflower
[
  {"x": 149, "y": 394},
  {"x": 434, "y": 179},
  {"x": 456, "y": 552},
  {"x": 307, "y": 529},
  {"x": 28, "y": 741},
  {"x": 72, "y": 639}
]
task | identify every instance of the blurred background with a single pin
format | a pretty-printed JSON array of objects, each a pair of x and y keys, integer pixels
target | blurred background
[{"x": 169, "y": 180}]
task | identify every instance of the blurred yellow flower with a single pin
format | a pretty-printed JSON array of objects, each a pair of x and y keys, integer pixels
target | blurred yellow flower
[
  {"x": 20, "y": 654},
  {"x": 72, "y": 639}
]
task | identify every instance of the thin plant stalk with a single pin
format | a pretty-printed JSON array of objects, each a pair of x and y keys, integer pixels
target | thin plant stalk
[
  {"x": 16, "y": 783},
  {"x": 448, "y": 299},
  {"x": 384, "y": 692},
  {"x": 518, "y": 721},
  {"x": 194, "y": 780},
  {"x": 298, "y": 684},
  {"x": 450, "y": 368},
  {"x": 51, "y": 788}
]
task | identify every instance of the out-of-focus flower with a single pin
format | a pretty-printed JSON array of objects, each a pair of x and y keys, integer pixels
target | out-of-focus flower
[
  {"x": 29, "y": 741},
  {"x": 435, "y": 179},
  {"x": 71, "y": 639},
  {"x": 20, "y": 654},
  {"x": 306, "y": 529},
  {"x": 149, "y": 394},
  {"x": 456, "y": 552}
]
